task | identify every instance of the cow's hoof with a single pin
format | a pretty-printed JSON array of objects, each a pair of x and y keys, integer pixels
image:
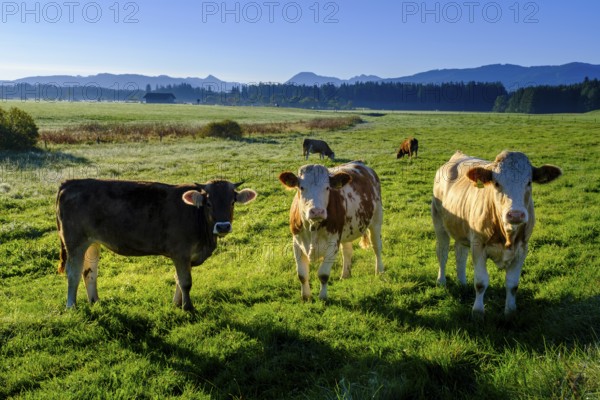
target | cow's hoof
[
  {"x": 509, "y": 315},
  {"x": 477, "y": 315},
  {"x": 188, "y": 307}
]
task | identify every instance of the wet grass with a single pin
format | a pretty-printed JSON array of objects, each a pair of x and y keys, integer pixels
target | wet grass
[{"x": 384, "y": 337}]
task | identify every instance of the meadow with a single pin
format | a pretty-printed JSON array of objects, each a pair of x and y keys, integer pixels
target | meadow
[{"x": 390, "y": 336}]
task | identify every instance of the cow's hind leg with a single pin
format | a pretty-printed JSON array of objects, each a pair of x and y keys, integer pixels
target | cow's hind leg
[
  {"x": 346, "y": 259},
  {"x": 183, "y": 284},
  {"x": 374, "y": 232},
  {"x": 442, "y": 245},
  {"x": 90, "y": 272},
  {"x": 461, "y": 253}
]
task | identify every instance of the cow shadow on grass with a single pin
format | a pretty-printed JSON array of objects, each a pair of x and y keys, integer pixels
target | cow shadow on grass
[
  {"x": 257, "y": 139},
  {"x": 537, "y": 322},
  {"x": 37, "y": 158},
  {"x": 271, "y": 360},
  {"x": 30, "y": 169}
]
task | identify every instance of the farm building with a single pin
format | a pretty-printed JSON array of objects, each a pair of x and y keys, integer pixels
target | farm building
[{"x": 159, "y": 98}]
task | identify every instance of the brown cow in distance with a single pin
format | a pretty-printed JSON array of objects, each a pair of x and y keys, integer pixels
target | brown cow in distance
[
  {"x": 408, "y": 147},
  {"x": 142, "y": 219},
  {"x": 317, "y": 146},
  {"x": 487, "y": 208}
]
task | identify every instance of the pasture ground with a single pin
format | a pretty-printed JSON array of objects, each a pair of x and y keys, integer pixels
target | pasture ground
[{"x": 392, "y": 336}]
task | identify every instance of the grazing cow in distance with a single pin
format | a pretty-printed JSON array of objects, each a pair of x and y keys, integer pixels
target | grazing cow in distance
[
  {"x": 141, "y": 219},
  {"x": 486, "y": 207},
  {"x": 331, "y": 208},
  {"x": 317, "y": 146},
  {"x": 409, "y": 146}
]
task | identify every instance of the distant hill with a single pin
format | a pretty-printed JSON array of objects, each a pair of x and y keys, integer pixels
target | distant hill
[
  {"x": 512, "y": 77},
  {"x": 125, "y": 81},
  {"x": 310, "y": 79}
]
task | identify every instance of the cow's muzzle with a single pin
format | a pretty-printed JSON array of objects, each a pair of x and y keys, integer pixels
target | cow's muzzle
[
  {"x": 222, "y": 228},
  {"x": 317, "y": 214},
  {"x": 516, "y": 217}
]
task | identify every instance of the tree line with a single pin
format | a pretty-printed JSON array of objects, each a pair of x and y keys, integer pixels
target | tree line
[
  {"x": 577, "y": 98},
  {"x": 457, "y": 96},
  {"x": 472, "y": 96}
]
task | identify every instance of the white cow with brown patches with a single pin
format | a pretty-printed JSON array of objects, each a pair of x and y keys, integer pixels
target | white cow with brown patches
[
  {"x": 486, "y": 207},
  {"x": 331, "y": 208}
]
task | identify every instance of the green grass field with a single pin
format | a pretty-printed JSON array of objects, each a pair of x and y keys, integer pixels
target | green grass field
[{"x": 392, "y": 336}]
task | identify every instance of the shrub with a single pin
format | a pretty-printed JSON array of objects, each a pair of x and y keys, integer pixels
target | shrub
[
  {"x": 18, "y": 131},
  {"x": 223, "y": 129},
  {"x": 94, "y": 132},
  {"x": 332, "y": 124}
]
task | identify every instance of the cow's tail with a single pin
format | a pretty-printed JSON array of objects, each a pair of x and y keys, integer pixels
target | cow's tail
[
  {"x": 63, "y": 249},
  {"x": 365, "y": 241},
  {"x": 63, "y": 257}
]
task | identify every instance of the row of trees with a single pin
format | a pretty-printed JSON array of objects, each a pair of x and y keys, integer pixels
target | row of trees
[
  {"x": 472, "y": 96},
  {"x": 577, "y": 98}
]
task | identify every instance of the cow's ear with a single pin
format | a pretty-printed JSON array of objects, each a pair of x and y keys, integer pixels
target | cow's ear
[
  {"x": 193, "y": 198},
  {"x": 245, "y": 196},
  {"x": 289, "y": 179},
  {"x": 545, "y": 173},
  {"x": 480, "y": 175},
  {"x": 337, "y": 181}
]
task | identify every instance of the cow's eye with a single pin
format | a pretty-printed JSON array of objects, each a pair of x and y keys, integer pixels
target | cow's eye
[
  {"x": 302, "y": 188},
  {"x": 327, "y": 188},
  {"x": 498, "y": 186}
]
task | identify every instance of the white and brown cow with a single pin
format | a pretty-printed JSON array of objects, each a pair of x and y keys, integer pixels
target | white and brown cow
[
  {"x": 486, "y": 207},
  {"x": 331, "y": 208},
  {"x": 140, "y": 219}
]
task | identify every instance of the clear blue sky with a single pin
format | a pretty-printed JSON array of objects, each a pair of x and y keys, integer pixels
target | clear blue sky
[{"x": 271, "y": 40}]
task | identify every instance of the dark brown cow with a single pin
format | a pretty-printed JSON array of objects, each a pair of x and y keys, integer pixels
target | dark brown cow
[
  {"x": 408, "y": 147},
  {"x": 141, "y": 219},
  {"x": 317, "y": 146}
]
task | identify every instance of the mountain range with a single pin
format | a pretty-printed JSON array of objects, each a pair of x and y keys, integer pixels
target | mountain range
[
  {"x": 124, "y": 81},
  {"x": 511, "y": 76}
]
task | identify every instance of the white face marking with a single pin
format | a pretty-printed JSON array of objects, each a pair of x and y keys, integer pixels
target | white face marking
[
  {"x": 512, "y": 182},
  {"x": 313, "y": 186}
]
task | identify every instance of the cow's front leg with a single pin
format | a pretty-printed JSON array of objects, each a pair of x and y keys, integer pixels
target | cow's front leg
[
  {"x": 183, "y": 284},
  {"x": 481, "y": 278},
  {"x": 325, "y": 269},
  {"x": 302, "y": 268},
  {"x": 74, "y": 268},
  {"x": 513, "y": 274}
]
